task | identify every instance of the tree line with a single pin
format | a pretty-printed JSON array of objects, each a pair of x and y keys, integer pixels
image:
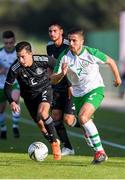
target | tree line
[{"x": 33, "y": 16}]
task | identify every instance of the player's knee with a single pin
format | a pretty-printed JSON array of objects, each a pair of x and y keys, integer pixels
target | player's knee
[
  {"x": 69, "y": 119},
  {"x": 42, "y": 115},
  {"x": 83, "y": 119},
  {"x": 56, "y": 115}
]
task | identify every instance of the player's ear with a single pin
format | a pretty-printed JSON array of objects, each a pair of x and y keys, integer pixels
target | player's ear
[
  {"x": 30, "y": 53},
  {"x": 83, "y": 41},
  {"x": 62, "y": 31}
]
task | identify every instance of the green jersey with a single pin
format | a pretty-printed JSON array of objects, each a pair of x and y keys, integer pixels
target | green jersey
[{"x": 83, "y": 69}]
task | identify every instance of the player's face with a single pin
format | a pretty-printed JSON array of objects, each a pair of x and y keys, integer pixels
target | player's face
[
  {"x": 25, "y": 58},
  {"x": 9, "y": 44},
  {"x": 75, "y": 43},
  {"x": 55, "y": 33}
]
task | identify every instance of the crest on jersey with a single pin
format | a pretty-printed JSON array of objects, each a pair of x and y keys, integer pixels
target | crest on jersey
[
  {"x": 83, "y": 62},
  {"x": 39, "y": 71}
]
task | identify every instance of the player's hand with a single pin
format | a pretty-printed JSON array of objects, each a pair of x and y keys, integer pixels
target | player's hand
[
  {"x": 15, "y": 107},
  {"x": 64, "y": 68},
  {"x": 117, "y": 82}
]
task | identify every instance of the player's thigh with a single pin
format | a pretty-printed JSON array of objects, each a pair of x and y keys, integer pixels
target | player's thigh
[
  {"x": 43, "y": 110},
  {"x": 69, "y": 111},
  {"x": 94, "y": 98},
  {"x": 57, "y": 114},
  {"x": 69, "y": 119},
  {"x": 69, "y": 106},
  {"x": 58, "y": 102},
  {"x": 86, "y": 112},
  {"x": 39, "y": 106},
  {"x": 32, "y": 108},
  {"x": 44, "y": 100}
]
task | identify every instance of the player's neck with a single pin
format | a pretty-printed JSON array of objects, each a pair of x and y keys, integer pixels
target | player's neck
[
  {"x": 59, "y": 42},
  {"x": 78, "y": 51},
  {"x": 11, "y": 50}
]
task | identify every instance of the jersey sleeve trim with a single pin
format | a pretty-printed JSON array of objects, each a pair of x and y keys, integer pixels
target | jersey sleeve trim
[
  {"x": 56, "y": 69},
  {"x": 97, "y": 53}
]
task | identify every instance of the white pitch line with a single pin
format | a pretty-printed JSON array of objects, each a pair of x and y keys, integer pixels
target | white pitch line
[
  {"x": 103, "y": 141},
  {"x": 31, "y": 122},
  {"x": 119, "y": 130}
]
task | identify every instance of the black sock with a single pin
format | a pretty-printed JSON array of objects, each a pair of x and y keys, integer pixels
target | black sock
[
  {"x": 61, "y": 131},
  {"x": 47, "y": 137},
  {"x": 49, "y": 125}
]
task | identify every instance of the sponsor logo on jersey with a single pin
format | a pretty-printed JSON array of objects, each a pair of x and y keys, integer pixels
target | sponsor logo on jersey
[{"x": 39, "y": 71}]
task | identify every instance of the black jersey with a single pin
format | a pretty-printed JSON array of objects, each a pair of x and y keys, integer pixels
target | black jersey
[
  {"x": 32, "y": 80},
  {"x": 54, "y": 51}
]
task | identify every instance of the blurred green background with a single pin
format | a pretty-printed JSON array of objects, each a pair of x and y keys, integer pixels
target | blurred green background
[
  {"x": 33, "y": 16},
  {"x": 29, "y": 19}
]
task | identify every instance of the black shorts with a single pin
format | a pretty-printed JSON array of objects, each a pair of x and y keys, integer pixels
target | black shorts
[
  {"x": 62, "y": 102},
  {"x": 33, "y": 103}
]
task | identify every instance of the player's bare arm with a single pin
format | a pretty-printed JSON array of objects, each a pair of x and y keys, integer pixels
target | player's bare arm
[
  {"x": 15, "y": 107},
  {"x": 113, "y": 66},
  {"x": 57, "y": 77},
  {"x": 64, "y": 68}
]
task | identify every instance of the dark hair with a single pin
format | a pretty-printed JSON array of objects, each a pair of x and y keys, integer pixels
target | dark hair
[
  {"x": 55, "y": 23},
  {"x": 23, "y": 45},
  {"x": 8, "y": 34},
  {"x": 76, "y": 31}
]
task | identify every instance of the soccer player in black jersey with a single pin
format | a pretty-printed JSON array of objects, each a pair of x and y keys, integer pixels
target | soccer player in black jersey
[
  {"x": 35, "y": 88},
  {"x": 62, "y": 106}
]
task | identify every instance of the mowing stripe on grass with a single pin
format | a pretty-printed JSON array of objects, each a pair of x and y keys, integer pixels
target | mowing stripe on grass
[
  {"x": 103, "y": 141},
  {"x": 111, "y": 128},
  {"x": 30, "y": 122}
]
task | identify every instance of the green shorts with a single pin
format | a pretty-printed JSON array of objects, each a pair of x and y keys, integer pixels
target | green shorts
[
  {"x": 94, "y": 97},
  {"x": 3, "y": 98}
]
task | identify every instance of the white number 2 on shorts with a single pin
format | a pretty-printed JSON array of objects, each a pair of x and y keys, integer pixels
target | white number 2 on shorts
[{"x": 91, "y": 96}]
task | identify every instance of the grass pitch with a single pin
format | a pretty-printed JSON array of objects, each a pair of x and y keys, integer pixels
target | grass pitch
[{"x": 16, "y": 164}]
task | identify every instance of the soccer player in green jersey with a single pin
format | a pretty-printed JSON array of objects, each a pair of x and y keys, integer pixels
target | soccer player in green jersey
[
  {"x": 81, "y": 64},
  {"x": 7, "y": 57}
]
